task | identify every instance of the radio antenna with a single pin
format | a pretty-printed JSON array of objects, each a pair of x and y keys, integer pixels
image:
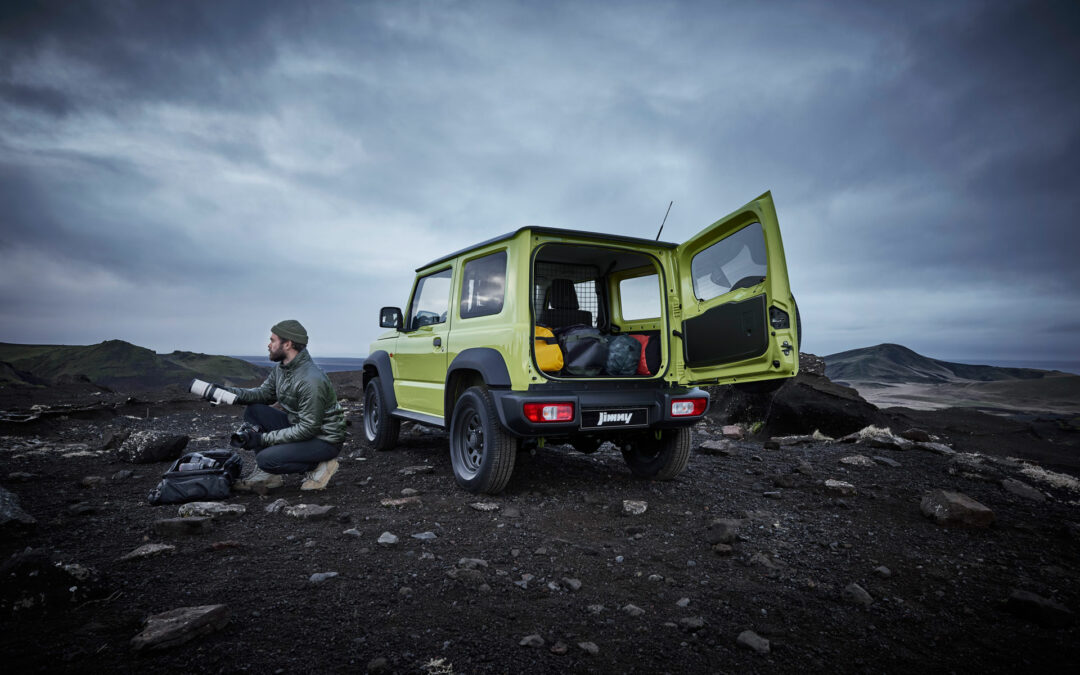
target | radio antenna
[{"x": 665, "y": 220}]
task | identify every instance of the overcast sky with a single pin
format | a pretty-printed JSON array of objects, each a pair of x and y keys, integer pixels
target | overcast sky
[{"x": 182, "y": 175}]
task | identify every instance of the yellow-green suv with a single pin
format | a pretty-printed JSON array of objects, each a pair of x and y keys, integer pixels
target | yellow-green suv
[{"x": 559, "y": 336}]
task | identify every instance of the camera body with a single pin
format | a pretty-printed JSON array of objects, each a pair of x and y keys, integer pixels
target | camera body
[
  {"x": 240, "y": 435},
  {"x": 211, "y": 392}
]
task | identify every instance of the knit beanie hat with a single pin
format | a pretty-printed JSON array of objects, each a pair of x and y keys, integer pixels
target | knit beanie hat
[{"x": 290, "y": 329}]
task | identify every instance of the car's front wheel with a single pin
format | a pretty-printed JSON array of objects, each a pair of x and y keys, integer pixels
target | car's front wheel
[
  {"x": 481, "y": 451},
  {"x": 658, "y": 458},
  {"x": 380, "y": 428}
]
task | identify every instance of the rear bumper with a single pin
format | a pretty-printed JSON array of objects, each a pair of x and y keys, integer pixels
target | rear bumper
[{"x": 616, "y": 402}]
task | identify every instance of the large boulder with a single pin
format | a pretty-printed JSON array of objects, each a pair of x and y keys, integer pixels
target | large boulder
[
  {"x": 806, "y": 403},
  {"x": 954, "y": 508},
  {"x": 144, "y": 447}
]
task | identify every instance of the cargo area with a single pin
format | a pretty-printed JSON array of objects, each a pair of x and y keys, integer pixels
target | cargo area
[{"x": 598, "y": 312}]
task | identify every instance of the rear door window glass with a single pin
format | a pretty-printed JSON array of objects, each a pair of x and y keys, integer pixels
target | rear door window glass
[
  {"x": 737, "y": 261},
  {"x": 483, "y": 285}
]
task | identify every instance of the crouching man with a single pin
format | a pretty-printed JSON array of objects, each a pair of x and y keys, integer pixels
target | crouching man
[{"x": 309, "y": 430}]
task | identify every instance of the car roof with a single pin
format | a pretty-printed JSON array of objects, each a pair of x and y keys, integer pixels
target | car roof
[{"x": 556, "y": 232}]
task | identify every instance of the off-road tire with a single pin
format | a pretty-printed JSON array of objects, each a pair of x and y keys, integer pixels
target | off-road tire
[
  {"x": 380, "y": 428},
  {"x": 658, "y": 458},
  {"x": 482, "y": 453}
]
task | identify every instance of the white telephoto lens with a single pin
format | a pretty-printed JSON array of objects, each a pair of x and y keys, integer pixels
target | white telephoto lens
[
  {"x": 222, "y": 396},
  {"x": 199, "y": 388}
]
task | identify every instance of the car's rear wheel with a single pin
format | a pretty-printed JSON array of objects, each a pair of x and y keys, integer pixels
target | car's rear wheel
[
  {"x": 660, "y": 458},
  {"x": 380, "y": 428},
  {"x": 482, "y": 453}
]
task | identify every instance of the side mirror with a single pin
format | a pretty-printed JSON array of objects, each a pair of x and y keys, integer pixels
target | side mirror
[{"x": 390, "y": 317}]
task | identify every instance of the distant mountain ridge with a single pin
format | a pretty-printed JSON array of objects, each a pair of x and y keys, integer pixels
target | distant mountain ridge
[
  {"x": 892, "y": 363},
  {"x": 117, "y": 365}
]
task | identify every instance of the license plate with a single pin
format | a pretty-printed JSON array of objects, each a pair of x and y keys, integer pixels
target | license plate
[{"x": 614, "y": 419}]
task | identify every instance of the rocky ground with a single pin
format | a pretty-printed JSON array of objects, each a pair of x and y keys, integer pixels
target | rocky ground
[{"x": 768, "y": 554}]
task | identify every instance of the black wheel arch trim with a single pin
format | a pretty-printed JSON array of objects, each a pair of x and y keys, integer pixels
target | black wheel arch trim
[
  {"x": 380, "y": 361},
  {"x": 487, "y": 361}
]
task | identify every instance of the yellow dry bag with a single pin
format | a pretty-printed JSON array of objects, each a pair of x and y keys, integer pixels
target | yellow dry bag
[{"x": 548, "y": 352}]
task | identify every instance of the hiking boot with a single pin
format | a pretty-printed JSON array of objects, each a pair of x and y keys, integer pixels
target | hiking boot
[
  {"x": 259, "y": 481},
  {"x": 320, "y": 476}
]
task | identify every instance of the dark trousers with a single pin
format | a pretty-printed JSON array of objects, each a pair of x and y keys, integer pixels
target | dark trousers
[{"x": 286, "y": 457}]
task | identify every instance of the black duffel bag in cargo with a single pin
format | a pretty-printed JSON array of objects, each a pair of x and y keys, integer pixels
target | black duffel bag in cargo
[
  {"x": 585, "y": 350},
  {"x": 198, "y": 477}
]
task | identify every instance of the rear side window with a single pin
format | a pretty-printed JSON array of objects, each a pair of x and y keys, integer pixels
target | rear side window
[
  {"x": 639, "y": 297},
  {"x": 430, "y": 301},
  {"x": 483, "y": 286},
  {"x": 737, "y": 261}
]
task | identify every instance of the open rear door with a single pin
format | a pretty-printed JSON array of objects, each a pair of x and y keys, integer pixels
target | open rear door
[{"x": 734, "y": 318}]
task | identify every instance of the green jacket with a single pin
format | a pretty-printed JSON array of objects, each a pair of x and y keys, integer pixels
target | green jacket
[{"x": 305, "y": 393}]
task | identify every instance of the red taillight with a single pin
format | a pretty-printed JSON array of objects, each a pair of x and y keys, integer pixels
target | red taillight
[
  {"x": 549, "y": 412},
  {"x": 688, "y": 407}
]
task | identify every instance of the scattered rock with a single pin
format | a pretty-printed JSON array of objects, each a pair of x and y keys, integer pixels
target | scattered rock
[
  {"x": 787, "y": 441},
  {"x": 225, "y": 544},
  {"x": 883, "y": 572},
  {"x": 113, "y": 439},
  {"x": 954, "y": 508},
  {"x": 772, "y": 494},
  {"x": 183, "y": 526},
  {"x": 12, "y": 515},
  {"x": 633, "y": 507},
  {"x": 716, "y": 448},
  {"x": 215, "y": 510},
  {"x": 414, "y": 470},
  {"x": 466, "y": 575},
  {"x": 409, "y": 492},
  {"x": 378, "y": 666},
  {"x": 733, "y": 431},
  {"x": 804, "y": 468},
  {"x": 723, "y": 549},
  {"x": 472, "y": 563},
  {"x": 484, "y": 506},
  {"x": 595, "y": 609},
  {"x": 752, "y": 640},
  {"x": 276, "y": 506},
  {"x": 559, "y": 648},
  {"x": 692, "y": 623},
  {"x": 633, "y": 610},
  {"x": 401, "y": 502},
  {"x": 1022, "y": 489},
  {"x": 511, "y": 512},
  {"x": 425, "y": 536},
  {"x": 1041, "y": 610},
  {"x": 723, "y": 531},
  {"x": 320, "y": 577},
  {"x": 353, "y": 532},
  {"x": 683, "y": 603},
  {"x": 532, "y": 641},
  {"x": 92, "y": 481},
  {"x": 122, "y": 474},
  {"x": 148, "y": 551},
  {"x": 857, "y": 460},
  {"x": 387, "y": 539},
  {"x": 405, "y": 592},
  {"x": 839, "y": 487},
  {"x": 309, "y": 511},
  {"x": 145, "y": 447},
  {"x": 572, "y": 584},
  {"x": 857, "y": 594},
  {"x": 21, "y": 477},
  {"x": 178, "y": 626},
  {"x": 82, "y": 509},
  {"x": 589, "y": 648},
  {"x": 887, "y": 461},
  {"x": 937, "y": 448},
  {"x": 917, "y": 435}
]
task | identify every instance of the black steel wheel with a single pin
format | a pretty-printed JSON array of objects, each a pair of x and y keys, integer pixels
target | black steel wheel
[
  {"x": 482, "y": 453},
  {"x": 660, "y": 458},
  {"x": 380, "y": 428}
]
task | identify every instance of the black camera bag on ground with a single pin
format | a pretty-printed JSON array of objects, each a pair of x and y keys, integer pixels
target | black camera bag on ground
[
  {"x": 198, "y": 477},
  {"x": 585, "y": 349}
]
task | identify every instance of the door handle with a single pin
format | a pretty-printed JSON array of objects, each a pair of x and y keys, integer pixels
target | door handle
[{"x": 437, "y": 342}]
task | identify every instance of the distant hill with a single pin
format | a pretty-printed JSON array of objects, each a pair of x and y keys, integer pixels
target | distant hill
[
  {"x": 890, "y": 363},
  {"x": 118, "y": 365}
]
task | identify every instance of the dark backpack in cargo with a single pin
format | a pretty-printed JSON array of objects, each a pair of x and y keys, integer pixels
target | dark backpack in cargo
[
  {"x": 198, "y": 477},
  {"x": 585, "y": 350},
  {"x": 624, "y": 354}
]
